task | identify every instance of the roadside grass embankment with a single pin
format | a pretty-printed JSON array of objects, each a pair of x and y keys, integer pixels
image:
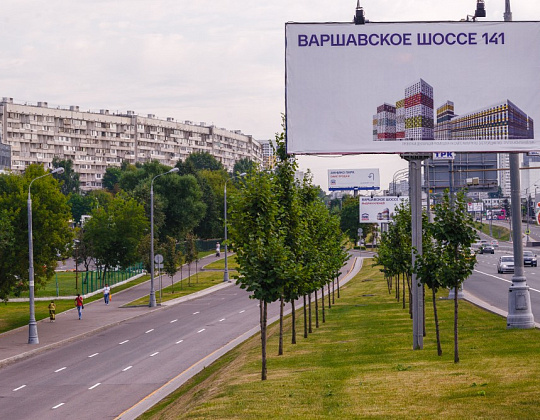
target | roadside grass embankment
[
  {"x": 360, "y": 364},
  {"x": 499, "y": 232}
]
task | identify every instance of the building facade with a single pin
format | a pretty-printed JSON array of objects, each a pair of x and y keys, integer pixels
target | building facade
[
  {"x": 93, "y": 141},
  {"x": 5, "y": 157},
  {"x": 268, "y": 156}
]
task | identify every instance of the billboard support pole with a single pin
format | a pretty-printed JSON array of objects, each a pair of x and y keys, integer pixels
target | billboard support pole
[
  {"x": 415, "y": 199},
  {"x": 519, "y": 298}
]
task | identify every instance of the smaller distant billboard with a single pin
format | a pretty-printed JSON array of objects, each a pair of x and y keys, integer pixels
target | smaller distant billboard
[
  {"x": 473, "y": 207},
  {"x": 379, "y": 209},
  {"x": 353, "y": 179}
]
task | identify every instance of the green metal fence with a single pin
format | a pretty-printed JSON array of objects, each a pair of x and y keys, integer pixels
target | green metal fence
[{"x": 94, "y": 280}]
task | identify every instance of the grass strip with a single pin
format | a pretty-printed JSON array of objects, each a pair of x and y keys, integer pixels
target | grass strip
[
  {"x": 360, "y": 364},
  {"x": 499, "y": 232},
  {"x": 220, "y": 264}
]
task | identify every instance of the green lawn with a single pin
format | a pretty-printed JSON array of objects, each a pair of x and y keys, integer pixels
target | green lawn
[
  {"x": 220, "y": 264},
  {"x": 502, "y": 233},
  {"x": 196, "y": 282},
  {"x": 360, "y": 364}
]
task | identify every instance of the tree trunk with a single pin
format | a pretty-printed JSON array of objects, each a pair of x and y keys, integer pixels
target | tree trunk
[
  {"x": 181, "y": 275},
  {"x": 337, "y": 279},
  {"x": 398, "y": 293},
  {"x": 329, "y": 294},
  {"x": 263, "y": 341},
  {"x": 333, "y": 291},
  {"x": 436, "y": 315},
  {"x": 316, "y": 310},
  {"x": 305, "y": 317},
  {"x": 189, "y": 275},
  {"x": 404, "y": 288},
  {"x": 280, "y": 349},
  {"x": 322, "y": 302},
  {"x": 310, "y": 330},
  {"x": 293, "y": 338},
  {"x": 456, "y": 347},
  {"x": 424, "y": 309},
  {"x": 409, "y": 288}
]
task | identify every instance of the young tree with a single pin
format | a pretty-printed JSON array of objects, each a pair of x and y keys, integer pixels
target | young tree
[
  {"x": 191, "y": 253},
  {"x": 263, "y": 258},
  {"x": 171, "y": 258},
  {"x": 69, "y": 179},
  {"x": 453, "y": 229}
]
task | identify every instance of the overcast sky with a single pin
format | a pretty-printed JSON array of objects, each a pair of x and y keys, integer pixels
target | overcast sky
[{"x": 218, "y": 62}]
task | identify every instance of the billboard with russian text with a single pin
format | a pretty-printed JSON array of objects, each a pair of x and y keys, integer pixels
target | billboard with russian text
[
  {"x": 353, "y": 179},
  {"x": 379, "y": 209},
  {"x": 412, "y": 87}
]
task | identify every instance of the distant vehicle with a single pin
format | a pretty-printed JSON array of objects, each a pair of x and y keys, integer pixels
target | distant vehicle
[
  {"x": 529, "y": 259},
  {"x": 487, "y": 249},
  {"x": 505, "y": 264},
  {"x": 496, "y": 214},
  {"x": 495, "y": 243}
]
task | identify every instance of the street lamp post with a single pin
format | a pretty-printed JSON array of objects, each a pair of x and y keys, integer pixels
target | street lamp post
[
  {"x": 152, "y": 302},
  {"x": 32, "y": 324},
  {"x": 226, "y": 272}
]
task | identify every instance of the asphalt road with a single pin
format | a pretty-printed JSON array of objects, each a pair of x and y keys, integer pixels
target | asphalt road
[
  {"x": 491, "y": 287},
  {"x": 105, "y": 374}
]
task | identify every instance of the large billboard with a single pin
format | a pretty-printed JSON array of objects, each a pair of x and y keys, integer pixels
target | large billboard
[
  {"x": 412, "y": 87},
  {"x": 353, "y": 179},
  {"x": 379, "y": 209}
]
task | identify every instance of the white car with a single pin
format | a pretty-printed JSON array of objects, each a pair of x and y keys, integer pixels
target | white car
[{"x": 505, "y": 264}]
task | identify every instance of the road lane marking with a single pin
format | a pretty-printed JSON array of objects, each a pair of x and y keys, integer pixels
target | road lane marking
[
  {"x": 200, "y": 331},
  {"x": 149, "y": 331},
  {"x": 242, "y": 311},
  {"x": 59, "y": 370},
  {"x": 174, "y": 320},
  {"x": 124, "y": 342},
  {"x": 128, "y": 368},
  {"x": 153, "y": 354},
  {"x": 195, "y": 313},
  {"x": 222, "y": 319},
  {"x": 92, "y": 355},
  {"x": 21, "y": 387},
  {"x": 178, "y": 342},
  {"x": 58, "y": 405},
  {"x": 500, "y": 278},
  {"x": 95, "y": 386}
]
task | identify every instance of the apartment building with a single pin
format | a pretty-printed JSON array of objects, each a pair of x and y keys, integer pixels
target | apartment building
[
  {"x": 268, "y": 156},
  {"x": 36, "y": 133}
]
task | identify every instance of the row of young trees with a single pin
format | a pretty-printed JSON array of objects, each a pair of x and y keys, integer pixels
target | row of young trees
[
  {"x": 446, "y": 260},
  {"x": 187, "y": 205},
  {"x": 288, "y": 245}
]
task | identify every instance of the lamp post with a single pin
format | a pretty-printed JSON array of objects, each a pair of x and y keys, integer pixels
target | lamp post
[
  {"x": 152, "y": 302},
  {"x": 226, "y": 272},
  {"x": 32, "y": 325}
]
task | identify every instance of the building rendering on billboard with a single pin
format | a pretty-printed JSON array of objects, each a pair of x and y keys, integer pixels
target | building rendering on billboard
[
  {"x": 353, "y": 179},
  {"x": 379, "y": 209},
  {"x": 412, "y": 87}
]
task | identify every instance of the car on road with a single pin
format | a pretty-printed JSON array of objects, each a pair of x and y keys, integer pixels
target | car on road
[
  {"x": 529, "y": 259},
  {"x": 486, "y": 249},
  {"x": 505, "y": 264},
  {"x": 495, "y": 243}
]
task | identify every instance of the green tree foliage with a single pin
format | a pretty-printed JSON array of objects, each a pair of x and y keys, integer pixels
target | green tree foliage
[
  {"x": 244, "y": 165},
  {"x": 199, "y": 161},
  {"x": 211, "y": 184},
  {"x": 191, "y": 253},
  {"x": 453, "y": 229},
  {"x": 171, "y": 257},
  {"x": 114, "y": 233},
  {"x": 111, "y": 179},
  {"x": 69, "y": 180},
  {"x": 81, "y": 204},
  {"x": 51, "y": 232}
]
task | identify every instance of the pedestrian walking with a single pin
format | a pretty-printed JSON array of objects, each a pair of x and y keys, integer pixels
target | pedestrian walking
[
  {"x": 218, "y": 249},
  {"x": 106, "y": 294},
  {"x": 79, "y": 304},
  {"x": 52, "y": 311}
]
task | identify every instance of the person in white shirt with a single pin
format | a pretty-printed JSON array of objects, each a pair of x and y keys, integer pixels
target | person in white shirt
[
  {"x": 218, "y": 250},
  {"x": 106, "y": 294}
]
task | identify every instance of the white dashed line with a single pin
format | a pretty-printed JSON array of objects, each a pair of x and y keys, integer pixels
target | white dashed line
[
  {"x": 59, "y": 370},
  {"x": 92, "y": 355},
  {"x": 195, "y": 313},
  {"x": 222, "y": 319},
  {"x": 149, "y": 331},
  {"x": 95, "y": 386},
  {"x": 178, "y": 342},
  {"x": 21, "y": 387},
  {"x": 242, "y": 311},
  {"x": 124, "y": 342},
  {"x": 128, "y": 368},
  {"x": 153, "y": 354},
  {"x": 200, "y": 331},
  {"x": 58, "y": 405},
  {"x": 174, "y": 320}
]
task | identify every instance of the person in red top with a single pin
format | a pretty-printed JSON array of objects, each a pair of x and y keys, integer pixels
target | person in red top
[{"x": 79, "y": 304}]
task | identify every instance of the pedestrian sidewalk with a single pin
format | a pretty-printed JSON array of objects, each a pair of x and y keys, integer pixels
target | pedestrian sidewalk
[{"x": 96, "y": 317}]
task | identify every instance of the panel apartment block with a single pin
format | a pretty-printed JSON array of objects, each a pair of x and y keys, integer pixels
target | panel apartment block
[
  {"x": 419, "y": 111},
  {"x": 386, "y": 122},
  {"x": 93, "y": 141}
]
